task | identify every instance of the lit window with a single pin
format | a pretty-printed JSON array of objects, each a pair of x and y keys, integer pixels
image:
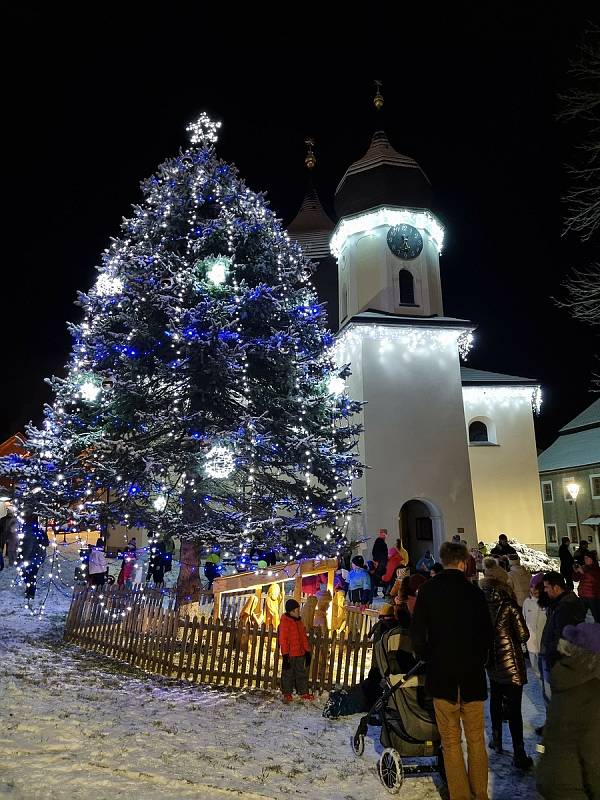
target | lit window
[
  {"x": 551, "y": 536},
  {"x": 595, "y": 486}
]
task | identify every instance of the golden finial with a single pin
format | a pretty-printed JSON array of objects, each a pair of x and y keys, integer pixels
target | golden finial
[
  {"x": 378, "y": 99},
  {"x": 310, "y": 159}
]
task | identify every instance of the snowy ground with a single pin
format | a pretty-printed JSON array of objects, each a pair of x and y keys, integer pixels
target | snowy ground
[{"x": 74, "y": 725}]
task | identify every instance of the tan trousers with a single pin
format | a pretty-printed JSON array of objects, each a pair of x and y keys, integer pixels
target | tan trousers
[{"x": 449, "y": 716}]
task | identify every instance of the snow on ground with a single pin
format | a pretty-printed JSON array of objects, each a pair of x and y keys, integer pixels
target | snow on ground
[{"x": 77, "y": 725}]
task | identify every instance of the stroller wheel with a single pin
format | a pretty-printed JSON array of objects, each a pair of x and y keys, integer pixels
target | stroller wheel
[
  {"x": 391, "y": 771},
  {"x": 357, "y": 743}
]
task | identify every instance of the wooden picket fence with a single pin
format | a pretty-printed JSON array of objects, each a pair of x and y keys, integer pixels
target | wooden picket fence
[{"x": 134, "y": 627}]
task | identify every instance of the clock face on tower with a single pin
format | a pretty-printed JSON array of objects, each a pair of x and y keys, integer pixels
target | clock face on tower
[{"x": 405, "y": 241}]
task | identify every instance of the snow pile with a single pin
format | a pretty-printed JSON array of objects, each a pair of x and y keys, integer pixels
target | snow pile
[{"x": 533, "y": 560}]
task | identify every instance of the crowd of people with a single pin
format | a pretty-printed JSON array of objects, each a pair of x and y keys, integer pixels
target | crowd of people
[{"x": 477, "y": 619}]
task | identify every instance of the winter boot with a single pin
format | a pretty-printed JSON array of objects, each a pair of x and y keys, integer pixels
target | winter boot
[
  {"x": 521, "y": 760},
  {"x": 496, "y": 740}
]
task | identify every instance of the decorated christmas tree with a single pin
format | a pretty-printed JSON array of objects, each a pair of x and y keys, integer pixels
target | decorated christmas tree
[{"x": 201, "y": 399}]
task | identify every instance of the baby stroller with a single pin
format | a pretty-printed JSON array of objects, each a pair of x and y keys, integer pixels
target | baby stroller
[{"x": 408, "y": 727}]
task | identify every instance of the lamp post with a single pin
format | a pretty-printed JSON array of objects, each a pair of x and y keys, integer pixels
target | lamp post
[{"x": 573, "y": 490}]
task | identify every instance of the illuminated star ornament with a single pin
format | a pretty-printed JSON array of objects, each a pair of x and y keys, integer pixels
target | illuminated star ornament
[
  {"x": 89, "y": 391},
  {"x": 203, "y": 130}
]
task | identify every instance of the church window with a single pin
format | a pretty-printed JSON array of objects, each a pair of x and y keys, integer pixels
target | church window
[
  {"x": 595, "y": 486},
  {"x": 407, "y": 288},
  {"x": 478, "y": 431}
]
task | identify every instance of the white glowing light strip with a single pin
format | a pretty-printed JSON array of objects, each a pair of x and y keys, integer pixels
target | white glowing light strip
[
  {"x": 413, "y": 339},
  {"x": 422, "y": 220},
  {"x": 504, "y": 395}
]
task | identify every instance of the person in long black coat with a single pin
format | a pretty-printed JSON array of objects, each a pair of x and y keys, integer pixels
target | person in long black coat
[
  {"x": 452, "y": 632},
  {"x": 566, "y": 562}
]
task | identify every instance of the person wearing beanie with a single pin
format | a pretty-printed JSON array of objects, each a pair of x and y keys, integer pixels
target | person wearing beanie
[
  {"x": 519, "y": 578},
  {"x": 295, "y": 651},
  {"x": 535, "y": 619},
  {"x": 569, "y": 767},
  {"x": 359, "y": 582}
]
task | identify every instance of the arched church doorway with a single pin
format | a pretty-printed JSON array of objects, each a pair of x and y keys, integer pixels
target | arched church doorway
[{"x": 420, "y": 524}]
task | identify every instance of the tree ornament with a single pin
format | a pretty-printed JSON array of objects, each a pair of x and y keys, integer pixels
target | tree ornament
[
  {"x": 89, "y": 390},
  {"x": 166, "y": 282},
  {"x": 108, "y": 285},
  {"x": 336, "y": 385},
  {"x": 219, "y": 462},
  {"x": 108, "y": 381},
  {"x": 216, "y": 269}
]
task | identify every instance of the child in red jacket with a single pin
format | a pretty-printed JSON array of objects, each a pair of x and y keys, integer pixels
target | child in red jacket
[{"x": 295, "y": 650}]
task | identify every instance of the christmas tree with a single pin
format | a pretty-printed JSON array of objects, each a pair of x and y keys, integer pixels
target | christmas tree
[{"x": 201, "y": 399}]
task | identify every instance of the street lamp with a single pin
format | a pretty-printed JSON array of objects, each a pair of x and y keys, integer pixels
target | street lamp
[{"x": 573, "y": 490}]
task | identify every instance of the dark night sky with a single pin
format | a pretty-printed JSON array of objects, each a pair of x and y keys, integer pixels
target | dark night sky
[{"x": 95, "y": 106}]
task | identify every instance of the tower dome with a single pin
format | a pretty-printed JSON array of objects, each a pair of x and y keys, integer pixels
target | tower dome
[
  {"x": 382, "y": 177},
  {"x": 311, "y": 227}
]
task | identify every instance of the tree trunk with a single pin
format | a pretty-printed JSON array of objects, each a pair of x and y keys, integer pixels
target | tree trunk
[{"x": 188, "y": 582}]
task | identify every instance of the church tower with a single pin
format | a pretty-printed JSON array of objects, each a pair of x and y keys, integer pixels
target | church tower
[
  {"x": 388, "y": 242},
  {"x": 403, "y": 353}
]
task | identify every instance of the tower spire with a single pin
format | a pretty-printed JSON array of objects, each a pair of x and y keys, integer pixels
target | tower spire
[
  {"x": 378, "y": 99},
  {"x": 310, "y": 159}
]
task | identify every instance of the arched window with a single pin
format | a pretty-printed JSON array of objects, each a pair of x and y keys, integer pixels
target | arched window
[
  {"x": 407, "y": 288},
  {"x": 478, "y": 431}
]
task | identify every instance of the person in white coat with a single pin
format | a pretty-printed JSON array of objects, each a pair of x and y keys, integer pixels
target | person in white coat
[
  {"x": 97, "y": 566},
  {"x": 519, "y": 578},
  {"x": 535, "y": 619}
]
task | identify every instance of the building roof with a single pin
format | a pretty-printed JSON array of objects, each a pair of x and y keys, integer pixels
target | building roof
[
  {"x": 382, "y": 177},
  {"x": 479, "y": 377},
  {"x": 374, "y": 317},
  {"x": 587, "y": 418},
  {"x": 312, "y": 227},
  {"x": 578, "y": 443}
]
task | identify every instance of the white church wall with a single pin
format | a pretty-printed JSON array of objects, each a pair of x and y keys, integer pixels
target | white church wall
[
  {"x": 415, "y": 444},
  {"x": 505, "y": 478}
]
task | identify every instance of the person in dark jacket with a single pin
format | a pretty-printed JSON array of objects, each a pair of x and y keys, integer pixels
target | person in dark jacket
[
  {"x": 506, "y": 669},
  {"x": 451, "y": 630},
  {"x": 581, "y": 552},
  {"x": 564, "y": 608},
  {"x": 156, "y": 563},
  {"x": 380, "y": 557},
  {"x": 503, "y": 548},
  {"x": 33, "y": 552},
  {"x": 566, "y": 562},
  {"x": 569, "y": 767}
]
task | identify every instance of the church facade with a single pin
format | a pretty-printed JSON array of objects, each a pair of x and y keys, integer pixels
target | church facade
[{"x": 449, "y": 450}]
